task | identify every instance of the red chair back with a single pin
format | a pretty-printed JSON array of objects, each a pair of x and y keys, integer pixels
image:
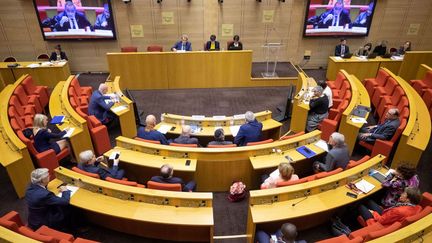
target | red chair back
[
  {"x": 123, "y": 182},
  {"x": 164, "y": 186},
  {"x": 329, "y": 173},
  {"x": 129, "y": 49},
  {"x": 155, "y": 48},
  {"x": 146, "y": 140},
  {"x": 10, "y": 59},
  {"x": 411, "y": 219},
  {"x": 426, "y": 199},
  {"x": 78, "y": 170},
  {"x": 260, "y": 142},
  {"x": 387, "y": 230},
  {"x": 184, "y": 145},
  {"x": 36, "y": 236},
  {"x": 292, "y": 136},
  {"x": 43, "y": 57},
  {"x": 382, "y": 77},
  {"x": 222, "y": 146},
  {"x": 353, "y": 163},
  {"x": 289, "y": 183}
]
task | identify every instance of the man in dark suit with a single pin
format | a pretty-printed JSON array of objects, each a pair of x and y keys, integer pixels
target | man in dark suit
[
  {"x": 88, "y": 162},
  {"x": 45, "y": 208},
  {"x": 383, "y": 131},
  {"x": 337, "y": 156},
  {"x": 183, "y": 44},
  {"x": 58, "y": 54},
  {"x": 342, "y": 49},
  {"x": 337, "y": 16},
  {"x": 185, "y": 138},
  {"x": 250, "y": 131},
  {"x": 100, "y": 105},
  {"x": 166, "y": 176},
  {"x": 71, "y": 19}
]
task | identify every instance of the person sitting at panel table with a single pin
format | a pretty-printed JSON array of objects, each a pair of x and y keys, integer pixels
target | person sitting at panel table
[
  {"x": 104, "y": 20},
  {"x": 100, "y": 105},
  {"x": 70, "y": 18},
  {"x": 284, "y": 172},
  {"x": 394, "y": 185},
  {"x": 236, "y": 45},
  {"x": 406, "y": 47},
  {"x": 219, "y": 136},
  {"x": 251, "y": 131},
  {"x": 381, "y": 49},
  {"x": 383, "y": 131},
  {"x": 364, "y": 18},
  {"x": 286, "y": 234},
  {"x": 365, "y": 50},
  {"x": 148, "y": 132},
  {"x": 318, "y": 109},
  {"x": 88, "y": 162},
  {"x": 342, "y": 49},
  {"x": 43, "y": 136},
  {"x": 337, "y": 16},
  {"x": 58, "y": 54},
  {"x": 183, "y": 44},
  {"x": 212, "y": 44},
  {"x": 327, "y": 91},
  {"x": 185, "y": 138},
  {"x": 166, "y": 176},
  {"x": 337, "y": 156},
  {"x": 61, "y": 3}
]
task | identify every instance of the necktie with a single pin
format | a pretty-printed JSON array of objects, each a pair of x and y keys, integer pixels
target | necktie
[
  {"x": 183, "y": 47},
  {"x": 336, "y": 20},
  {"x": 74, "y": 24},
  {"x": 342, "y": 50}
]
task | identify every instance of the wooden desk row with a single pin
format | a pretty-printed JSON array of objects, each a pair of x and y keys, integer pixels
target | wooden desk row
[
  {"x": 421, "y": 72},
  {"x": 411, "y": 62}
]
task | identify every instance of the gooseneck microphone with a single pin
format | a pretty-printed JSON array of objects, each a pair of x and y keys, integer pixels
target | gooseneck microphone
[{"x": 300, "y": 201}]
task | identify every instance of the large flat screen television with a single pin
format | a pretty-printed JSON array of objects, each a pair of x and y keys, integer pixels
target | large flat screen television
[
  {"x": 75, "y": 19},
  {"x": 338, "y": 17}
]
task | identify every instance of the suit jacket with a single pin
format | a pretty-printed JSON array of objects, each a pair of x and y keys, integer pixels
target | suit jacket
[
  {"x": 362, "y": 20},
  {"x": 44, "y": 208},
  {"x": 178, "y": 46},
  {"x": 79, "y": 17},
  {"x": 337, "y": 157},
  {"x": 344, "y": 19},
  {"x": 232, "y": 47},
  {"x": 249, "y": 132},
  {"x": 53, "y": 56},
  {"x": 152, "y": 135},
  {"x": 98, "y": 107},
  {"x": 208, "y": 44},
  {"x": 338, "y": 50},
  {"x": 113, "y": 172},
  {"x": 102, "y": 18},
  {"x": 185, "y": 140},
  {"x": 385, "y": 131},
  {"x": 42, "y": 140}
]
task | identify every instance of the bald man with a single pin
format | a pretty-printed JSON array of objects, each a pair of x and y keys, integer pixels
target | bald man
[
  {"x": 148, "y": 132},
  {"x": 287, "y": 233},
  {"x": 185, "y": 138},
  {"x": 166, "y": 176},
  {"x": 100, "y": 105}
]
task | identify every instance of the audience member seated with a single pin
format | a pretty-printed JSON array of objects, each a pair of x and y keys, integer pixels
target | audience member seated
[
  {"x": 236, "y": 45},
  {"x": 212, "y": 44},
  {"x": 148, "y": 132},
  {"x": 104, "y": 21},
  {"x": 384, "y": 131},
  {"x": 284, "y": 172},
  {"x": 404, "y": 176},
  {"x": 337, "y": 156},
  {"x": 58, "y": 54},
  {"x": 183, "y": 44},
  {"x": 100, "y": 105},
  {"x": 364, "y": 18},
  {"x": 406, "y": 47},
  {"x": 365, "y": 50},
  {"x": 337, "y": 16},
  {"x": 251, "y": 131},
  {"x": 219, "y": 136},
  {"x": 43, "y": 136},
  {"x": 381, "y": 49},
  {"x": 70, "y": 18},
  {"x": 185, "y": 138},
  {"x": 342, "y": 49},
  {"x": 327, "y": 91},
  {"x": 287, "y": 233},
  {"x": 44, "y": 207},
  {"x": 406, "y": 206},
  {"x": 166, "y": 176},
  {"x": 88, "y": 162},
  {"x": 318, "y": 109}
]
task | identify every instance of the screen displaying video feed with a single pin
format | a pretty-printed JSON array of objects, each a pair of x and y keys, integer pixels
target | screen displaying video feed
[
  {"x": 338, "y": 17},
  {"x": 75, "y": 19}
]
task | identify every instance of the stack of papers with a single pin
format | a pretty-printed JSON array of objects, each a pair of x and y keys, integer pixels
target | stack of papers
[
  {"x": 69, "y": 132},
  {"x": 198, "y": 117},
  {"x": 358, "y": 120},
  {"x": 71, "y": 188},
  {"x": 364, "y": 186},
  {"x": 234, "y": 130},
  {"x": 119, "y": 108},
  {"x": 164, "y": 129},
  {"x": 322, "y": 144},
  {"x": 219, "y": 117}
]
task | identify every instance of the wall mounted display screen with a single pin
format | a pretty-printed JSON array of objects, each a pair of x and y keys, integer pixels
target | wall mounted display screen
[
  {"x": 338, "y": 17},
  {"x": 75, "y": 19}
]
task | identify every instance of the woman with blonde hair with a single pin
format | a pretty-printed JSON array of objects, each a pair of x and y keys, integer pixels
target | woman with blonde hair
[
  {"x": 284, "y": 172},
  {"x": 43, "y": 135}
]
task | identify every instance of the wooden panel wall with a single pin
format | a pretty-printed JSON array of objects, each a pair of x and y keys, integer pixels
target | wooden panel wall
[{"x": 20, "y": 35}]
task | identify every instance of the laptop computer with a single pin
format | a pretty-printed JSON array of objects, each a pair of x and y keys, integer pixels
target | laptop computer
[
  {"x": 387, "y": 55},
  {"x": 372, "y": 55},
  {"x": 348, "y": 55}
]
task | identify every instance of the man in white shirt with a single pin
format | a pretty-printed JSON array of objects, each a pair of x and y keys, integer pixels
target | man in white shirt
[{"x": 327, "y": 91}]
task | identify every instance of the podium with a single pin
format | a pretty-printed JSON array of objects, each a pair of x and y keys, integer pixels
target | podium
[{"x": 271, "y": 53}]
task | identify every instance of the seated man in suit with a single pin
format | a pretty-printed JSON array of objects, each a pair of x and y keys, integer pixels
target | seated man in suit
[
  {"x": 150, "y": 133},
  {"x": 236, "y": 45},
  {"x": 71, "y": 19},
  {"x": 88, "y": 162},
  {"x": 337, "y": 156},
  {"x": 318, "y": 109},
  {"x": 104, "y": 21},
  {"x": 287, "y": 233},
  {"x": 337, "y": 16},
  {"x": 212, "y": 44},
  {"x": 342, "y": 49},
  {"x": 251, "y": 131},
  {"x": 166, "y": 176},
  {"x": 183, "y": 44},
  {"x": 219, "y": 138},
  {"x": 384, "y": 131},
  {"x": 364, "y": 18},
  {"x": 185, "y": 138},
  {"x": 58, "y": 54},
  {"x": 100, "y": 105}
]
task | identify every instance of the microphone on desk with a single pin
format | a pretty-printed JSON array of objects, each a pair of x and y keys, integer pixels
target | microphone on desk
[{"x": 299, "y": 201}]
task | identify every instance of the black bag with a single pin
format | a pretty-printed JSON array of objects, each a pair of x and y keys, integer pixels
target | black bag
[
  {"x": 338, "y": 228},
  {"x": 28, "y": 132}
]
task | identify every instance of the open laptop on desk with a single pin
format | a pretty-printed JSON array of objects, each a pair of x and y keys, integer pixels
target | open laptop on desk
[
  {"x": 348, "y": 55},
  {"x": 372, "y": 55}
]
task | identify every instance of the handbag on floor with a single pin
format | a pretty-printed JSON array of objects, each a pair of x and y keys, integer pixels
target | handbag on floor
[{"x": 237, "y": 192}]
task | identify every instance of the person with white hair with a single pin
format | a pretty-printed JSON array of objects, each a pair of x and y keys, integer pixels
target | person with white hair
[
  {"x": 148, "y": 132},
  {"x": 100, "y": 105},
  {"x": 251, "y": 131},
  {"x": 88, "y": 162},
  {"x": 383, "y": 131},
  {"x": 44, "y": 207},
  {"x": 185, "y": 137},
  {"x": 318, "y": 109},
  {"x": 166, "y": 177},
  {"x": 183, "y": 44},
  {"x": 337, "y": 156}
]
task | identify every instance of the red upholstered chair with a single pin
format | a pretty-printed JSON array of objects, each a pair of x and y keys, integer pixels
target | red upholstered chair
[
  {"x": 426, "y": 199},
  {"x": 411, "y": 219},
  {"x": 289, "y": 183},
  {"x": 387, "y": 90},
  {"x": 81, "y": 240},
  {"x": 387, "y": 230},
  {"x": 387, "y": 101},
  {"x": 36, "y": 236},
  {"x": 22, "y": 120},
  {"x": 27, "y": 100},
  {"x": 365, "y": 230},
  {"x": 260, "y": 142},
  {"x": 11, "y": 220},
  {"x": 78, "y": 170},
  {"x": 78, "y": 102},
  {"x": 353, "y": 163},
  {"x": 43, "y": 57},
  {"x": 341, "y": 239},
  {"x": 123, "y": 182},
  {"x": 129, "y": 49},
  {"x": 427, "y": 97},
  {"x": 10, "y": 59},
  {"x": 222, "y": 146},
  {"x": 81, "y": 90},
  {"x": 146, "y": 140},
  {"x": 40, "y": 91},
  {"x": 421, "y": 85},
  {"x": 337, "y": 83},
  {"x": 58, "y": 235},
  {"x": 340, "y": 93},
  {"x": 99, "y": 135},
  {"x": 310, "y": 178},
  {"x": 379, "y": 81},
  {"x": 184, "y": 145},
  {"x": 164, "y": 186},
  {"x": 292, "y": 135},
  {"x": 328, "y": 173},
  {"x": 331, "y": 123},
  {"x": 154, "y": 48},
  {"x": 22, "y": 111}
]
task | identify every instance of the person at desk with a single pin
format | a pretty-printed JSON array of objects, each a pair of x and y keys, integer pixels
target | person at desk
[
  {"x": 287, "y": 234},
  {"x": 394, "y": 185},
  {"x": 104, "y": 20},
  {"x": 150, "y": 133},
  {"x": 100, "y": 105},
  {"x": 185, "y": 138},
  {"x": 365, "y": 50},
  {"x": 58, "y": 54},
  {"x": 381, "y": 49},
  {"x": 318, "y": 109},
  {"x": 183, "y": 44},
  {"x": 236, "y": 45},
  {"x": 337, "y": 156},
  {"x": 284, "y": 172},
  {"x": 43, "y": 136},
  {"x": 61, "y": 3},
  {"x": 326, "y": 91},
  {"x": 251, "y": 131},
  {"x": 364, "y": 18},
  {"x": 383, "y": 131},
  {"x": 406, "y": 47},
  {"x": 71, "y": 19},
  {"x": 88, "y": 162},
  {"x": 212, "y": 44},
  {"x": 337, "y": 16},
  {"x": 342, "y": 48},
  {"x": 219, "y": 136},
  {"x": 166, "y": 176},
  {"x": 44, "y": 207}
]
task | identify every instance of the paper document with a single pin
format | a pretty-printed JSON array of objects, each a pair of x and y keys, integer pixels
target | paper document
[
  {"x": 219, "y": 117},
  {"x": 241, "y": 116},
  {"x": 33, "y": 65},
  {"x": 107, "y": 101},
  {"x": 338, "y": 58},
  {"x": 322, "y": 144},
  {"x": 358, "y": 120},
  {"x": 71, "y": 188},
  {"x": 119, "y": 108},
  {"x": 364, "y": 186},
  {"x": 69, "y": 132},
  {"x": 113, "y": 155},
  {"x": 234, "y": 130},
  {"x": 164, "y": 129},
  {"x": 198, "y": 117}
]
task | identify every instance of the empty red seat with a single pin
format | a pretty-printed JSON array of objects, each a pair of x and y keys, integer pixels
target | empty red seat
[
  {"x": 36, "y": 236},
  {"x": 129, "y": 49},
  {"x": 340, "y": 93},
  {"x": 289, "y": 183},
  {"x": 387, "y": 90},
  {"x": 81, "y": 90},
  {"x": 331, "y": 123},
  {"x": 11, "y": 220},
  {"x": 379, "y": 81},
  {"x": 124, "y": 182},
  {"x": 78, "y": 170},
  {"x": 155, "y": 48},
  {"x": 99, "y": 135},
  {"x": 365, "y": 230},
  {"x": 427, "y": 98},
  {"x": 164, "y": 186},
  {"x": 387, "y": 230},
  {"x": 426, "y": 199},
  {"x": 421, "y": 85},
  {"x": 292, "y": 135},
  {"x": 337, "y": 83},
  {"x": 260, "y": 142},
  {"x": 40, "y": 91},
  {"x": 22, "y": 120},
  {"x": 26, "y": 100},
  {"x": 353, "y": 163},
  {"x": 58, "y": 235},
  {"x": 328, "y": 173},
  {"x": 386, "y": 101}
]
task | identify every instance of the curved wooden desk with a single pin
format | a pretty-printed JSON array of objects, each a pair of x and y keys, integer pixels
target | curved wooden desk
[
  {"x": 301, "y": 109},
  {"x": 422, "y": 70},
  {"x": 412, "y": 60},
  {"x": 7, "y": 235}
]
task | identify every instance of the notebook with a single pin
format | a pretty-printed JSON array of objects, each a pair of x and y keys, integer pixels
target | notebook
[
  {"x": 57, "y": 119},
  {"x": 364, "y": 186},
  {"x": 360, "y": 111},
  {"x": 306, "y": 152}
]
